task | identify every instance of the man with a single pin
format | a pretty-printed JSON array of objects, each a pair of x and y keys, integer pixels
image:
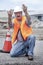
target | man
[{"x": 22, "y": 38}]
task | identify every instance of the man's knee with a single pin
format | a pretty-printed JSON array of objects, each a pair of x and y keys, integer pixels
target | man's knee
[
  {"x": 32, "y": 37},
  {"x": 11, "y": 54}
]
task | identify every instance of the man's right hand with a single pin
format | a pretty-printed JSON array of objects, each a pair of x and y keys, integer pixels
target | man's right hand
[{"x": 10, "y": 12}]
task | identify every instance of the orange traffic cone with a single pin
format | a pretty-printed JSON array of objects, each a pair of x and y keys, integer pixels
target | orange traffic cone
[{"x": 7, "y": 45}]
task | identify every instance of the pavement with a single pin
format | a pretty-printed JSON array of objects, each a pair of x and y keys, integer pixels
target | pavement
[{"x": 5, "y": 58}]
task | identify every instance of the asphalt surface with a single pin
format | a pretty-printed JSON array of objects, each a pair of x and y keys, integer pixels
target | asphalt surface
[{"x": 5, "y": 58}]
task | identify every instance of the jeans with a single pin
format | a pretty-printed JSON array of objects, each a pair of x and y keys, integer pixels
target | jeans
[{"x": 23, "y": 47}]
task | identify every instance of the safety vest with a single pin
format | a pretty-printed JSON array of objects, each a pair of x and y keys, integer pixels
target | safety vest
[{"x": 25, "y": 30}]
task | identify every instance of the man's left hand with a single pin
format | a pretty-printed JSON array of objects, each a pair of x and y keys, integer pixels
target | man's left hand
[{"x": 24, "y": 8}]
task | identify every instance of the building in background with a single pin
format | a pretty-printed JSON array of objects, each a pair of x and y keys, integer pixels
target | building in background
[
  {"x": 36, "y": 14},
  {"x": 3, "y": 18}
]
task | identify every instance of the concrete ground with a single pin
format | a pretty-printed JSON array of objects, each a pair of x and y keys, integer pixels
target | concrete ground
[{"x": 5, "y": 58}]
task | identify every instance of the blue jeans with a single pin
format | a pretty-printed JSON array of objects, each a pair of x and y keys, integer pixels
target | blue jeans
[{"x": 23, "y": 47}]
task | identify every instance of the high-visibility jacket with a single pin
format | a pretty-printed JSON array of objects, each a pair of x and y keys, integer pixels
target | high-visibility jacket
[{"x": 25, "y": 30}]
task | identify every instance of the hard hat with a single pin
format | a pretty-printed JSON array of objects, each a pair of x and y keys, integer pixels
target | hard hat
[{"x": 17, "y": 9}]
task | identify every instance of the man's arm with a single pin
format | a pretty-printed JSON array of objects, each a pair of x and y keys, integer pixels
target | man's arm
[
  {"x": 10, "y": 18},
  {"x": 27, "y": 15}
]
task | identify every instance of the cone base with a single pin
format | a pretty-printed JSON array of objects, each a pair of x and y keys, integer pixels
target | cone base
[{"x": 1, "y": 51}]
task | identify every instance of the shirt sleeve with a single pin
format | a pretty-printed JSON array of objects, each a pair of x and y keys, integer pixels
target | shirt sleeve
[{"x": 13, "y": 22}]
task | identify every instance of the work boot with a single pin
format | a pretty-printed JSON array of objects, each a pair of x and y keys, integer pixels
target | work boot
[{"x": 30, "y": 57}]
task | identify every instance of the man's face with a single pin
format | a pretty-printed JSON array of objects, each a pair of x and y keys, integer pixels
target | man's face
[{"x": 18, "y": 15}]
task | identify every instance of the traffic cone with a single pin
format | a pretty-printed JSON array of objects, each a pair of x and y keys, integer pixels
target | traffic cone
[{"x": 7, "y": 44}]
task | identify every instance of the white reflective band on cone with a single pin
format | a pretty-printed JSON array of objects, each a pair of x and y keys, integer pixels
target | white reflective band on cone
[
  {"x": 8, "y": 39},
  {"x": 8, "y": 33}
]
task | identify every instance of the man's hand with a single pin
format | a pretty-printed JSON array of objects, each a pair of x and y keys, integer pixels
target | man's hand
[
  {"x": 26, "y": 13},
  {"x": 10, "y": 13},
  {"x": 24, "y": 8}
]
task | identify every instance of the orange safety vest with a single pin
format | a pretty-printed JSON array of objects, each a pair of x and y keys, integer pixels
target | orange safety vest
[{"x": 25, "y": 30}]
